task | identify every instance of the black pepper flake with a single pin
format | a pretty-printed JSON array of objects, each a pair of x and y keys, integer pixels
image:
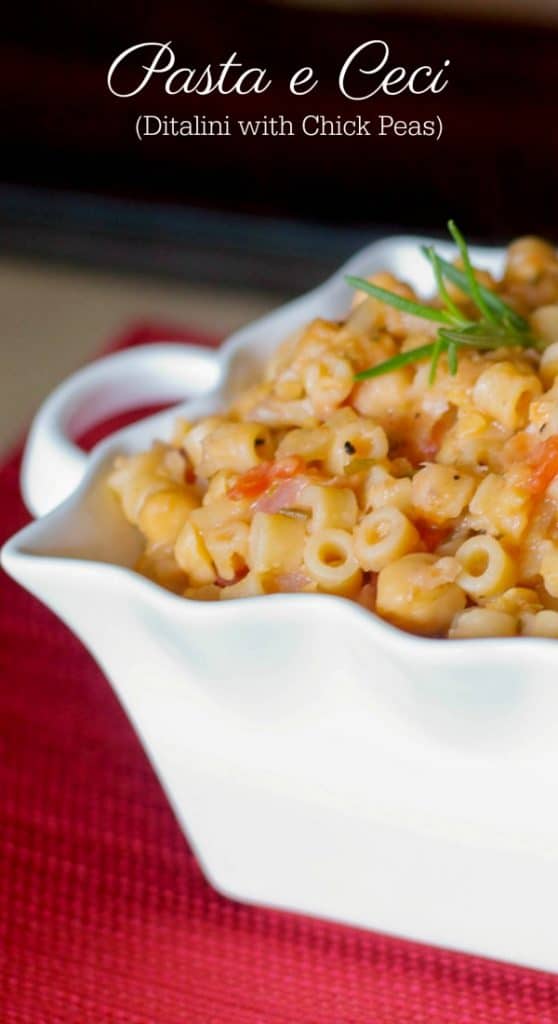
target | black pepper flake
[
  {"x": 349, "y": 448},
  {"x": 259, "y": 441},
  {"x": 457, "y": 477}
]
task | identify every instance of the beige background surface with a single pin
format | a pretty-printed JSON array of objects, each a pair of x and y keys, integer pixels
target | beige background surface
[{"x": 53, "y": 319}]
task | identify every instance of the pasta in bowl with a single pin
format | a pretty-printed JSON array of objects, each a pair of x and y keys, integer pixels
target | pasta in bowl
[{"x": 372, "y": 463}]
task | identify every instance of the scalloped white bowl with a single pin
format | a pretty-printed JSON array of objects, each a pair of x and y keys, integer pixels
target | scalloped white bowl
[{"x": 317, "y": 758}]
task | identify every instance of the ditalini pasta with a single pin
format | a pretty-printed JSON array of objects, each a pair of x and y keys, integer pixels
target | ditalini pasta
[{"x": 427, "y": 492}]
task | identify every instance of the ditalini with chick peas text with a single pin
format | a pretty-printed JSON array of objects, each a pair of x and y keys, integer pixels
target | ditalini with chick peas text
[{"x": 405, "y": 458}]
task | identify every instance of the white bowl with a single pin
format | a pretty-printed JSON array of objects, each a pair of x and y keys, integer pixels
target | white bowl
[{"x": 318, "y": 759}]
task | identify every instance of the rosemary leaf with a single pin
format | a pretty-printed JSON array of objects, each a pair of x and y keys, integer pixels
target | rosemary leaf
[
  {"x": 414, "y": 355},
  {"x": 474, "y": 290},
  {"x": 435, "y": 262},
  {"x": 439, "y": 316},
  {"x": 482, "y": 336},
  {"x": 294, "y": 513},
  {"x": 438, "y": 345}
]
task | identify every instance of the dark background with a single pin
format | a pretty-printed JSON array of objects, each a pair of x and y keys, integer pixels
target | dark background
[{"x": 78, "y": 184}]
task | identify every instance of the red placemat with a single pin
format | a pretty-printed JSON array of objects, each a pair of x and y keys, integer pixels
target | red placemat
[{"x": 104, "y": 914}]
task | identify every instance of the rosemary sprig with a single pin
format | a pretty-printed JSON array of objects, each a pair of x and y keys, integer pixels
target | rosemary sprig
[
  {"x": 454, "y": 274},
  {"x": 498, "y": 324}
]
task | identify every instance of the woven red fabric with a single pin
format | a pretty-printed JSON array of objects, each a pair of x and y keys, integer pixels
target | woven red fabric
[{"x": 105, "y": 917}]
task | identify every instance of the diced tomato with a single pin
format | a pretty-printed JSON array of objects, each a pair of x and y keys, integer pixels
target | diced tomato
[
  {"x": 239, "y": 575},
  {"x": 290, "y": 465},
  {"x": 252, "y": 483},
  {"x": 544, "y": 465},
  {"x": 432, "y": 536},
  {"x": 258, "y": 479},
  {"x": 189, "y": 473},
  {"x": 285, "y": 494}
]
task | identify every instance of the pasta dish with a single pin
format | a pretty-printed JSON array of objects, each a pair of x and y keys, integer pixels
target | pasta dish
[{"x": 405, "y": 458}]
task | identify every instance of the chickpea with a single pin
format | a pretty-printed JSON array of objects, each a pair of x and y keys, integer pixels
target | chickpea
[
  {"x": 544, "y": 322},
  {"x": 548, "y": 367},
  {"x": 164, "y": 513},
  {"x": 475, "y": 622},
  {"x": 528, "y": 258},
  {"x": 440, "y": 493},
  {"x": 415, "y": 594},
  {"x": 543, "y": 623}
]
